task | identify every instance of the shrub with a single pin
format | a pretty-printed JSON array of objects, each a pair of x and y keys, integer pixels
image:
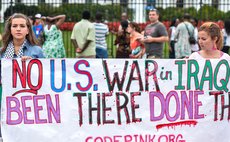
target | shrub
[
  {"x": 207, "y": 12},
  {"x": 20, "y": 8}
]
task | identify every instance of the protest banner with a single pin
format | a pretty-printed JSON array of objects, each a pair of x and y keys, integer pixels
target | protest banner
[{"x": 115, "y": 100}]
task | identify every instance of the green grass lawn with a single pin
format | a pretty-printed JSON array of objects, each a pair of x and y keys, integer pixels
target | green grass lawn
[{"x": 70, "y": 51}]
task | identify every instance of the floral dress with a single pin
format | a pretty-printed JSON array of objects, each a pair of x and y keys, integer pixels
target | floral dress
[{"x": 53, "y": 46}]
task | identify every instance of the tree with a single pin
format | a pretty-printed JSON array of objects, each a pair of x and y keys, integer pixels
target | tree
[{"x": 20, "y": 8}]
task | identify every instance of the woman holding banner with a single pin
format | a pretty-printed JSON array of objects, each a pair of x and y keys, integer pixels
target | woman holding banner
[
  {"x": 210, "y": 40},
  {"x": 19, "y": 40}
]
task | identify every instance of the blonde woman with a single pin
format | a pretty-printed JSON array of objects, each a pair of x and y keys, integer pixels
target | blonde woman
[{"x": 210, "y": 40}]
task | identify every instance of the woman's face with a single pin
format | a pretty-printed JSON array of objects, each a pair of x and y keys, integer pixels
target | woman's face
[
  {"x": 129, "y": 29},
  {"x": 205, "y": 41},
  {"x": 19, "y": 29},
  {"x": 177, "y": 22}
]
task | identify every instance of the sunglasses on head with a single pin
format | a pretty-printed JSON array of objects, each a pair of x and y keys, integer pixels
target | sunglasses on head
[{"x": 153, "y": 9}]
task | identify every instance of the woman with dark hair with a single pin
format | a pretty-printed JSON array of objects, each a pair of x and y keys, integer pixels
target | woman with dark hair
[
  {"x": 226, "y": 33},
  {"x": 123, "y": 41},
  {"x": 53, "y": 46},
  {"x": 138, "y": 49}
]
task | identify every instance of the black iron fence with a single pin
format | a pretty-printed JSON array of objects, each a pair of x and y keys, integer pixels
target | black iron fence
[{"x": 203, "y": 10}]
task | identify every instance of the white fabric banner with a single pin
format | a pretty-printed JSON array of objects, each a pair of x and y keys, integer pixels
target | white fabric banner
[{"x": 79, "y": 100}]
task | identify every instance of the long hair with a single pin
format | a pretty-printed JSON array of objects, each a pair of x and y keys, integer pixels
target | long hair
[
  {"x": 7, "y": 36},
  {"x": 214, "y": 31},
  {"x": 173, "y": 22},
  {"x": 124, "y": 25},
  {"x": 135, "y": 26}
]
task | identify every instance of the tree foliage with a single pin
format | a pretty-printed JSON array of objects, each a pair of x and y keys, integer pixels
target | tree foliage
[
  {"x": 20, "y": 8},
  {"x": 113, "y": 12}
]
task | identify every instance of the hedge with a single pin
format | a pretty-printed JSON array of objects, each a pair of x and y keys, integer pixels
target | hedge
[{"x": 112, "y": 12}]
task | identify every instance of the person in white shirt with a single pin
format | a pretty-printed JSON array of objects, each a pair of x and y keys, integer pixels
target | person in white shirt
[{"x": 101, "y": 31}]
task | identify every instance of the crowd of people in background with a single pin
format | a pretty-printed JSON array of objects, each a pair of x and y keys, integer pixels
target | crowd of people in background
[
  {"x": 49, "y": 36},
  {"x": 89, "y": 38},
  {"x": 182, "y": 36}
]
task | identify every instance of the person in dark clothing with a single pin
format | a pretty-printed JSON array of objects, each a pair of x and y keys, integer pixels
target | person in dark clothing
[
  {"x": 172, "y": 29},
  {"x": 226, "y": 33},
  {"x": 123, "y": 41}
]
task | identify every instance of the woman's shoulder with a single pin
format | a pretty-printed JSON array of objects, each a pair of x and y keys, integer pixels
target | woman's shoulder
[
  {"x": 36, "y": 47},
  {"x": 195, "y": 55},
  {"x": 225, "y": 56},
  {"x": 138, "y": 36},
  {"x": 35, "y": 50},
  {"x": 172, "y": 27},
  {"x": 53, "y": 26},
  {"x": 32, "y": 46}
]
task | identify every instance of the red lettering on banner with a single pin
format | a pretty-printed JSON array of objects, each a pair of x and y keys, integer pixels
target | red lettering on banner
[
  {"x": 137, "y": 138},
  {"x": 83, "y": 72},
  {"x": 173, "y": 125},
  {"x": 224, "y": 105},
  {"x": 128, "y": 138},
  {"x": 24, "y": 74}
]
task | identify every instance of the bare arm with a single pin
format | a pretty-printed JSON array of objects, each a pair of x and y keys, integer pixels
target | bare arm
[
  {"x": 85, "y": 45},
  {"x": 60, "y": 19},
  {"x": 141, "y": 53},
  {"x": 74, "y": 42},
  {"x": 79, "y": 49},
  {"x": 150, "y": 39}
]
